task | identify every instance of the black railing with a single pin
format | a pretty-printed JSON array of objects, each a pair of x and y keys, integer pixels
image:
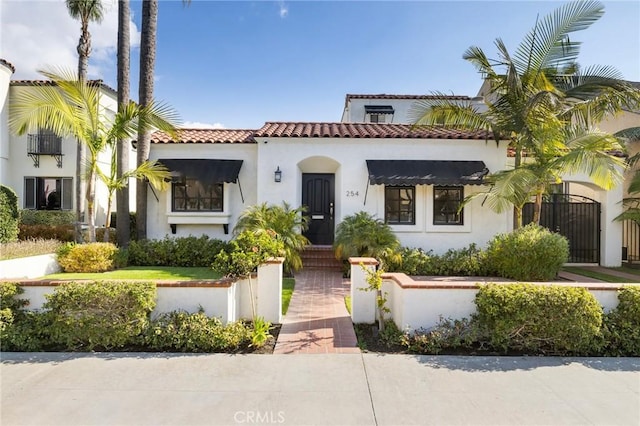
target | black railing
[
  {"x": 630, "y": 241},
  {"x": 44, "y": 144}
]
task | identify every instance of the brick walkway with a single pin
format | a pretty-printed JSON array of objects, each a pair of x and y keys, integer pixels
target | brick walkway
[{"x": 317, "y": 320}]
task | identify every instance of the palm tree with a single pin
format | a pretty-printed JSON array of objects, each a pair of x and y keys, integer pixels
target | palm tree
[
  {"x": 362, "y": 234},
  {"x": 145, "y": 95},
  {"x": 72, "y": 108},
  {"x": 287, "y": 223},
  {"x": 85, "y": 11},
  {"x": 546, "y": 106},
  {"x": 122, "y": 157}
]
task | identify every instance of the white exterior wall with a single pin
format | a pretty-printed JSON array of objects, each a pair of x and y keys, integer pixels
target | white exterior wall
[
  {"x": 20, "y": 165},
  {"x": 346, "y": 158},
  {"x": 5, "y": 76},
  {"x": 159, "y": 211}
]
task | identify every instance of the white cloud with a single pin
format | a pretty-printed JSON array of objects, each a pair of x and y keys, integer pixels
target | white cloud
[
  {"x": 41, "y": 34},
  {"x": 199, "y": 125},
  {"x": 283, "y": 9}
]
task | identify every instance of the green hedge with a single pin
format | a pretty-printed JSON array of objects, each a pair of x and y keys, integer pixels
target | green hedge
[
  {"x": 187, "y": 251},
  {"x": 47, "y": 217},
  {"x": 184, "y": 332},
  {"x": 622, "y": 325},
  {"x": 99, "y": 315},
  {"x": 468, "y": 261},
  {"x": 538, "y": 318},
  {"x": 9, "y": 216}
]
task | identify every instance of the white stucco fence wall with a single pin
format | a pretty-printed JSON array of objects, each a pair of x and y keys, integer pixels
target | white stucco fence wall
[
  {"x": 418, "y": 305},
  {"x": 226, "y": 299},
  {"x": 29, "y": 267}
]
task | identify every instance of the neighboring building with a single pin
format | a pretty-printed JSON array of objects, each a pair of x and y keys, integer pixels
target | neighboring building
[{"x": 40, "y": 166}]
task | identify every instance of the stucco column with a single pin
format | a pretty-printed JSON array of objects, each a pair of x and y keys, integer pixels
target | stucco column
[
  {"x": 363, "y": 303},
  {"x": 269, "y": 292},
  {"x": 611, "y": 235}
]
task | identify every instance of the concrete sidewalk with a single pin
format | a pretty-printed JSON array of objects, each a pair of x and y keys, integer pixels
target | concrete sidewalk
[{"x": 349, "y": 389}]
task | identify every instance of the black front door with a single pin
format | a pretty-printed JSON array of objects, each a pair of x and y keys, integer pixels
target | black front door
[{"x": 319, "y": 197}]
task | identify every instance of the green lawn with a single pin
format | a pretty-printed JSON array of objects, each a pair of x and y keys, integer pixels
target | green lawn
[
  {"x": 628, "y": 270},
  {"x": 143, "y": 273},
  {"x": 600, "y": 276},
  {"x": 287, "y": 291}
]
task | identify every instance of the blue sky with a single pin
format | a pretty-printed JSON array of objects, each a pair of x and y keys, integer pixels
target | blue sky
[{"x": 241, "y": 63}]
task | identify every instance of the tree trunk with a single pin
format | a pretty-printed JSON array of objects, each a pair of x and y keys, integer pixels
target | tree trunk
[
  {"x": 517, "y": 212},
  {"x": 107, "y": 222},
  {"x": 84, "y": 49},
  {"x": 122, "y": 195},
  {"x": 537, "y": 207},
  {"x": 145, "y": 96},
  {"x": 91, "y": 206}
]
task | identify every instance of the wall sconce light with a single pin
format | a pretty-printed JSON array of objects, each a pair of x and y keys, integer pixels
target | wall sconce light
[{"x": 277, "y": 175}]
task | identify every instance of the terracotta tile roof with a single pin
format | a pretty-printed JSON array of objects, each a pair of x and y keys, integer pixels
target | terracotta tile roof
[
  {"x": 51, "y": 83},
  {"x": 363, "y": 131},
  {"x": 206, "y": 136},
  {"x": 8, "y": 65}
]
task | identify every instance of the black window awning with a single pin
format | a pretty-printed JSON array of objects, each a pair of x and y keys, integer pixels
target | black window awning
[
  {"x": 426, "y": 172},
  {"x": 216, "y": 171},
  {"x": 378, "y": 109}
]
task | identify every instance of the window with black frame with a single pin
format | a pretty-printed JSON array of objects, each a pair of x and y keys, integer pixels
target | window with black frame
[
  {"x": 446, "y": 202},
  {"x": 400, "y": 206},
  {"x": 48, "y": 193},
  {"x": 193, "y": 195}
]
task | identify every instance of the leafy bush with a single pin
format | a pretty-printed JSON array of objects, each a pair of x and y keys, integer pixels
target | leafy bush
[
  {"x": 99, "y": 315},
  {"x": 188, "y": 251},
  {"x": 468, "y": 261},
  {"x": 64, "y": 233},
  {"x": 28, "y": 248},
  {"x": 246, "y": 252},
  {"x": 9, "y": 306},
  {"x": 531, "y": 253},
  {"x": 622, "y": 325},
  {"x": 185, "y": 332},
  {"x": 20, "y": 330},
  {"x": 93, "y": 257},
  {"x": 100, "y": 235},
  {"x": 362, "y": 234},
  {"x": 9, "y": 216},
  {"x": 47, "y": 217},
  {"x": 538, "y": 318},
  {"x": 287, "y": 223}
]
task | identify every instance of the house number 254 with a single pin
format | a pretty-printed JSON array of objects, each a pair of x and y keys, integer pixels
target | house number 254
[{"x": 352, "y": 194}]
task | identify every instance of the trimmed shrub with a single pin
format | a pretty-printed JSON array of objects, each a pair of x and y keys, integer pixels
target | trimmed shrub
[
  {"x": 246, "y": 252},
  {"x": 531, "y": 253},
  {"x": 100, "y": 315},
  {"x": 93, "y": 257},
  {"x": 185, "y": 332},
  {"x": 64, "y": 233},
  {"x": 538, "y": 318},
  {"x": 468, "y": 261},
  {"x": 47, "y": 217},
  {"x": 20, "y": 330},
  {"x": 448, "y": 335},
  {"x": 622, "y": 325},
  {"x": 187, "y": 251},
  {"x": 9, "y": 216}
]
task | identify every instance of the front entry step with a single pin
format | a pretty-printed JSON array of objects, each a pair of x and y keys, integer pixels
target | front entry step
[{"x": 320, "y": 257}]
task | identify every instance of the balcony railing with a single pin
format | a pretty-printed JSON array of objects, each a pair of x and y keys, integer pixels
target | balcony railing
[{"x": 44, "y": 144}]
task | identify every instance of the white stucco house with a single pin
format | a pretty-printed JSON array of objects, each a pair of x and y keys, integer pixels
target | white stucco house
[
  {"x": 40, "y": 166},
  {"x": 370, "y": 161}
]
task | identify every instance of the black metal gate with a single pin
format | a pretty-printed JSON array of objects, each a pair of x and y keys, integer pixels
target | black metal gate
[
  {"x": 575, "y": 217},
  {"x": 630, "y": 241}
]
